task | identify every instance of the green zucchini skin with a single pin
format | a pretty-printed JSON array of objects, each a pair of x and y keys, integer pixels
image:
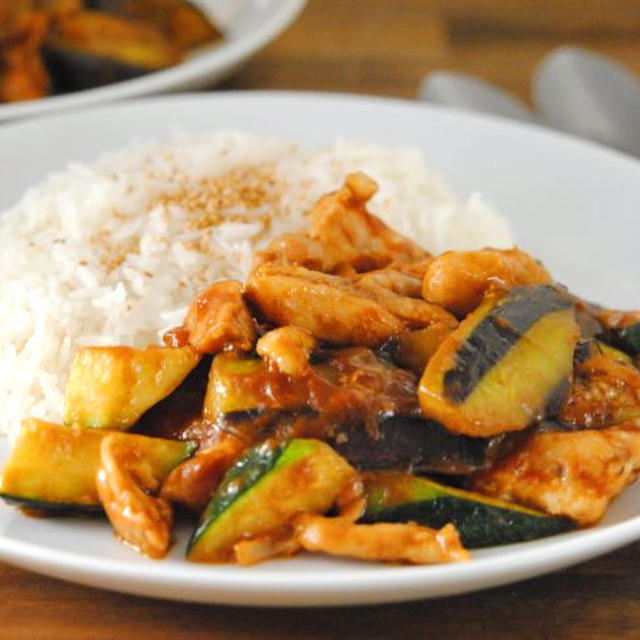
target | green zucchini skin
[
  {"x": 51, "y": 508},
  {"x": 264, "y": 490},
  {"x": 53, "y": 468},
  {"x": 255, "y": 464},
  {"x": 75, "y": 70},
  {"x": 626, "y": 339},
  {"x": 480, "y": 520}
]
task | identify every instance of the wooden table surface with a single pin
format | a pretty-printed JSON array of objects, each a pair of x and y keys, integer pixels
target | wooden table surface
[{"x": 384, "y": 47}]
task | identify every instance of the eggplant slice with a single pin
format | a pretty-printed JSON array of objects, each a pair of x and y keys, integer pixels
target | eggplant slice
[
  {"x": 507, "y": 365},
  {"x": 185, "y": 25},
  {"x": 419, "y": 445},
  {"x": 91, "y": 49}
]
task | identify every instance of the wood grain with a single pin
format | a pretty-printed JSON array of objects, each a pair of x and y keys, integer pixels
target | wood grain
[
  {"x": 385, "y": 47},
  {"x": 594, "y": 600}
]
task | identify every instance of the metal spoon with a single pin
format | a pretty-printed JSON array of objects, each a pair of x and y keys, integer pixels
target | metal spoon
[
  {"x": 591, "y": 96},
  {"x": 466, "y": 92}
]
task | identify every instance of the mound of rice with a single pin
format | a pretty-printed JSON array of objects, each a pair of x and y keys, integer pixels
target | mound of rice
[{"x": 113, "y": 252}]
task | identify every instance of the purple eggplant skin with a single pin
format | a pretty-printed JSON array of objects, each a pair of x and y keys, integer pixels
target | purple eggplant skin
[
  {"x": 420, "y": 445},
  {"x": 75, "y": 70}
]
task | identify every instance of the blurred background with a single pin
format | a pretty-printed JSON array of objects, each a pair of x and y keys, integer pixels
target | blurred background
[
  {"x": 386, "y": 46},
  {"x": 382, "y": 47}
]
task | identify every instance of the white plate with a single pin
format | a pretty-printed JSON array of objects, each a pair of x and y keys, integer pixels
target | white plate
[
  {"x": 249, "y": 25},
  {"x": 571, "y": 203}
]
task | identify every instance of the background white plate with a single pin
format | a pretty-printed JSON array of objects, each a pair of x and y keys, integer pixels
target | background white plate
[
  {"x": 248, "y": 25},
  {"x": 571, "y": 203}
]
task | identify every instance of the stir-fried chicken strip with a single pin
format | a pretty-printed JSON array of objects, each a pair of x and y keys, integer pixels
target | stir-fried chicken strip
[
  {"x": 288, "y": 349},
  {"x": 328, "y": 306},
  {"x": 295, "y": 249},
  {"x": 276, "y": 544},
  {"x": 414, "y": 268},
  {"x": 334, "y": 309},
  {"x": 458, "y": 280},
  {"x": 396, "y": 281},
  {"x": 573, "y": 474},
  {"x": 141, "y": 520},
  {"x": 340, "y": 536},
  {"x": 219, "y": 319},
  {"x": 352, "y": 235},
  {"x": 416, "y": 313},
  {"x": 604, "y": 392},
  {"x": 387, "y": 542},
  {"x": 343, "y": 235}
]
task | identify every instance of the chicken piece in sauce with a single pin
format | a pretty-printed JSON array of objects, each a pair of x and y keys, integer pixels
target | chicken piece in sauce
[
  {"x": 327, "y": 306},
  {"x": 573, "y": 474},
  {"x": 352, "y": 235},
  {"x": 219, "y": 319},
  {"x": 288, "y": 349},
  {"x": 335, "y": 309},
  {"x": 458, "y": 280},
  {"x": 341, "y": 536},
  {"x": 192, "y": 482},
  {"x": 393, "y": 280},
  {"x": 343, "y": 235},
  {"x": 604, "y": 392},
  {"x": 140, "y": 519},
  {"x": 386, "y": 542}
]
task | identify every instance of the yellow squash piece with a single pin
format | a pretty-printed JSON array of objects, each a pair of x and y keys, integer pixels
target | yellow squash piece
[{"x": 111, "y": 387}]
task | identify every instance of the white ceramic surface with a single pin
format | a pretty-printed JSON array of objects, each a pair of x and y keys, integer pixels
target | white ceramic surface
[
  {"x": 249, "y": 25},
  {"x": 570, "y": 202}
]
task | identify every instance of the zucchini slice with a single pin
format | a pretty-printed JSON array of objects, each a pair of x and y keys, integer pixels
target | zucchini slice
[
  {"x": 246, "y": 385},
  {"x": 269, "y": 485},
  {"x": 612, "y": 352},
  {"x": 622, "y": 330},
  {"x": 627, "y": 338},
  {"x": 53, "y": 467},
  {"x": 111, "y": 387},
  {"x": 480, "y": 520},
  {"x": 504, "y": 365}
]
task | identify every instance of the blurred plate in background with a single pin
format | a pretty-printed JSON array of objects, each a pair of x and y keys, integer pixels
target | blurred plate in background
[{"x": 248, "y": 25}]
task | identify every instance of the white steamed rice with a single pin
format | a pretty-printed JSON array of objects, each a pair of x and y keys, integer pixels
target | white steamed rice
[{"x": 104, "y": 254}]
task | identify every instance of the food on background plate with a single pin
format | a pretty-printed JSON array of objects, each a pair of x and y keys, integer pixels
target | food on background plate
[
  {"x": 298, "y": 410},
  {"x": 55, "y": 46}
]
